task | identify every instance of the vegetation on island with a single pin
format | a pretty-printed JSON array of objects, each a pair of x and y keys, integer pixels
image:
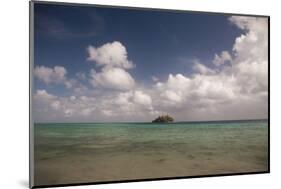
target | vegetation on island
[{"x": 163, "y": 119}]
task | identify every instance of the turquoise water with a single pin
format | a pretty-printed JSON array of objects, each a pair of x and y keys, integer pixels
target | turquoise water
[{"x": 89, "y": 152}]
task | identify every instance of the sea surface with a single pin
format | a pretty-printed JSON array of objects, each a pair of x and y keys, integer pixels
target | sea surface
[{"x": 67, "y": 153}]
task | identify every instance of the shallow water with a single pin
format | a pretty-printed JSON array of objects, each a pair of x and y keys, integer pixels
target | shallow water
[{"x": 79, "y": 152}]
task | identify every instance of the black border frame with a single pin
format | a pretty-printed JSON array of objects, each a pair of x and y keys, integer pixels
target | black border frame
[{"x": 31, "y": 123}]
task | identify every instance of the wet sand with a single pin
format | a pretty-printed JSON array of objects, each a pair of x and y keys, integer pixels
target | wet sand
[{"x": 77, "y": 169}]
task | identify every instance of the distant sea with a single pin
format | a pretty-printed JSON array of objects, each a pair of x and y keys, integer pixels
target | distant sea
[{"x": 67, "y": 153}]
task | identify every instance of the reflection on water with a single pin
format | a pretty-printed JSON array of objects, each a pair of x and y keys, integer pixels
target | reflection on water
[{"x": 71, "y": 153}]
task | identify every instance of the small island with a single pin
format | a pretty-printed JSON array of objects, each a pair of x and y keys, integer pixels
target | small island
[{"x": 163, "y": 119}]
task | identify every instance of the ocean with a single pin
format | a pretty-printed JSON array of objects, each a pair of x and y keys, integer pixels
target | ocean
[{"x": 68, "y": 153}]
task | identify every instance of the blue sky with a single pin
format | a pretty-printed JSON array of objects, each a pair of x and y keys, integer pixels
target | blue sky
[{"x": 158, "y": 43}]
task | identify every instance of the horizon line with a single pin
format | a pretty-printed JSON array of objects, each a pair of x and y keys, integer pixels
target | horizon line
[{"x": 226, "y": 120}]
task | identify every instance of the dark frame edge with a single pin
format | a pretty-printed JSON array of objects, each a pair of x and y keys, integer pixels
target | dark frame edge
[
  {"x": 149, "y": 180},
  {"x": 144, "y": 8},
  {"x": 31, "y": 61},
  {"x": 268, "y": 50}
]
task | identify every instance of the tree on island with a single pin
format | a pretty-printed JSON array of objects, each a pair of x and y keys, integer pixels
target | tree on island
[{"x": 163, "y": 119}]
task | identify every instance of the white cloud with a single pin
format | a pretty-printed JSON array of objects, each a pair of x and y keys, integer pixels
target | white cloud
[
  {"x": 57, "y": 75},
  {"x": 178, "y": 89},
  {"x": 252, "y": 45},
  {"x": 112, "y": 78},
  {"x": 118, "y": 105},
  {"x": 68, "y": 85},
  {"x": 55, "y": 105},
  {"x": 48, "y": 106},
  {"x": 142, "y": 98},
  {"x": 110, "y": 54},
  {"x": 133, "y": 104},
  {"x": 81, "y": 76},
  {"x": 136, "y": 99},
  {"x": 154, "y": 78},
  {"x": 123, "y": 98},
  {"x": 250, "y": 65},
  {"x": 68, "y": 112},
  {"x": 50, "y": 75},
  {"x": 42, "y": 94},
  {"x": 107, "y": 113},
  {"x": 202, "y": 69},
  {"x": 72, "y": 98},
  {"x": 222, "y": 58},
  {"x": 172, "y": 96},
  {"x": 177, "y": 83},
  {"x": 220, "y": 87},
  {"x": 112, "y": 57},
  {"x": 42, "y": 105}
]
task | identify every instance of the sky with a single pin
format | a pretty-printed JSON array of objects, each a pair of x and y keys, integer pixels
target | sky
[{"x": 96, "y": 64}]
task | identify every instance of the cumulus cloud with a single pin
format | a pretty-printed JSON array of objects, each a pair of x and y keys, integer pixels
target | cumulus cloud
[
  {"x": 250, "y": 64},
  {"x": 179, "y": 89},
  {"x": 113, "y": 59},
  {"x": 202, "y": 69},
  {"x": 81, "y": 76},
  {"x": 49, "y": 106},
  {"x": 112, "y": 78},
  {"x": 136, "y": 97},
  {"x": 42, "y": 94},
  {"x": 154, "y": 78},
  {"x": 172, "y": 96},
  {"x": 110, "y": 54},
  {"x": 58, "y": 75},
  {"x": 142, "y": 98},
  {"x": 222, "y": 58},
  {"x": 50, "y": 75},
  {"x": 252, "y": 45},
  {"x": 132, "y": 105},
  {"x": 176, "y": 83}
]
